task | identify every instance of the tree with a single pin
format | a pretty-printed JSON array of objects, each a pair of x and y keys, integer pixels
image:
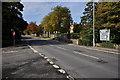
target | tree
[
  {"x": 58, "y": 20},
  {"x": 64, "y": 18},
  {"x": 46, "y": 24},
  {"x": 86, "y": 24},
  {"x": 12, "y": 19},
  {"x": 87, "y": 19},
  {"x": 32, "y": 27},
  {"x": 39, "y": 30},
  {"x": 77, "y": 28},
  {"x": 107, "y": 17}
]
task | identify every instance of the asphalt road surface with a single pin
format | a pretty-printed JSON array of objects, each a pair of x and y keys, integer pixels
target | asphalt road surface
[
  {"x": 77, "y": 61},
  {"x": 20, "y": 62}
]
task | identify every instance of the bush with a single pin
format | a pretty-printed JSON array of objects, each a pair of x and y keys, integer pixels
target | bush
[
  {"x": 86, "y": 42},
  {"x": 107, "y": 45}
]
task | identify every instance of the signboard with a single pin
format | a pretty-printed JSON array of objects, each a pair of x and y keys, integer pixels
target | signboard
[{"x": 105, "y": 34}]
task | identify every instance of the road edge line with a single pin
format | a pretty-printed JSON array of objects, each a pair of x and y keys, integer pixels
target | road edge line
[{"x": 53, "y": 65}]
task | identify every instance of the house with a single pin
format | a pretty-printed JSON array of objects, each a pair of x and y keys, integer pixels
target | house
[{"x": 72, "y": 28}]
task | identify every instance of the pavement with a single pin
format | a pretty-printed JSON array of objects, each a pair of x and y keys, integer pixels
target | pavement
[
  {"x": 74, "y": 62},
  {"x": 21, "y": 62},
  {"x": 107, "y": 50}
]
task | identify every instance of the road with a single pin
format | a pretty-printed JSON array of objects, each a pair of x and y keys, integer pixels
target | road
[
  {"x": 77, "y": 61},
  {"x": 21, "y": 62}
]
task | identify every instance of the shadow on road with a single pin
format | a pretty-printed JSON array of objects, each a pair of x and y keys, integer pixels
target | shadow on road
[
  {"x": 45, "y": 42},
  {"x": 40, "y": 42}
]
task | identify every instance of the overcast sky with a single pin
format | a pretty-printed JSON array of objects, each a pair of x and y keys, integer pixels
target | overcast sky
[{"x": 36, "y": 11}]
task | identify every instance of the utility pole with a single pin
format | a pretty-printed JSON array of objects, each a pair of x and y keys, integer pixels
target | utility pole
[{"x": 93, "y": 25}]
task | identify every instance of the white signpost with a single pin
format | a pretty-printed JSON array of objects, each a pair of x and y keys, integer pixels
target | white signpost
[{"x": 105, "y": 34}]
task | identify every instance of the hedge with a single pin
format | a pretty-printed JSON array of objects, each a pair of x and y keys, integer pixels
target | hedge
[{"x": 107, "y": 45}]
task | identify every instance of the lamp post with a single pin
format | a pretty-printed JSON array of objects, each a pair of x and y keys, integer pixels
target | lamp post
[{"x": 93, "y": 25}]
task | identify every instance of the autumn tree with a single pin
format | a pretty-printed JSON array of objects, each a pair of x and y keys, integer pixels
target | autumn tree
[
  {"x": 63, "y": 18},
  {"x": 39, "y": 30},
  {"x": 46, "y": 24},
  {"x": 107, "y": 16},
  {"x": 32, "y": 27},
  {"x": 57, "y": 20}
]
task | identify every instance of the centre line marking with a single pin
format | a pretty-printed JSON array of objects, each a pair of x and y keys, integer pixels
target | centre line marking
[
  {"x": 61, "y": 48},
  {"x": 86, "y": 55}
]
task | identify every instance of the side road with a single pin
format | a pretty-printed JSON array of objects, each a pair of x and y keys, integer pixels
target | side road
[{"x": 21, "y": 62}]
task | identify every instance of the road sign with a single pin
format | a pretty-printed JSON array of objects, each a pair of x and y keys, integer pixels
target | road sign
[
  {"x": 105, "y": 34},
  {"x": 13, "y": 33}
]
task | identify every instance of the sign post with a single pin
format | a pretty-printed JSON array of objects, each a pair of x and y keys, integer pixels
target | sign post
[{"x": 13, "y": 33}]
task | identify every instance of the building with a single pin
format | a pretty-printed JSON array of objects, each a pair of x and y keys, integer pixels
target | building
[{"x": 72, "y": 28}]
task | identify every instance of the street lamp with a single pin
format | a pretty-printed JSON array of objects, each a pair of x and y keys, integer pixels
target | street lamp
[{"x": 93, "y": 25}]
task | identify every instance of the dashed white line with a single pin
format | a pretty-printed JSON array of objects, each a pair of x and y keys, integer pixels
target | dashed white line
[
  {"x": 51, "y": 45},
  {"x": 56, "y": 66},
  {"x": 61, "y": 48},
  {"x": 86, "y": 55},
  {"x": 61, "y": 71},
  {"x": 51, "y": 62},
  {"x": 10, "y": 51},
  {"x": 48, "y": 60},
  {"x": 45, "y": 57},
  {"x": 35, "y": 51}
]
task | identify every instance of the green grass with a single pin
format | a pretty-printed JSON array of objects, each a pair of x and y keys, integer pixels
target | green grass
[
  {"x": 30, "y": 36},
  {"x": 46, "y": 38}
]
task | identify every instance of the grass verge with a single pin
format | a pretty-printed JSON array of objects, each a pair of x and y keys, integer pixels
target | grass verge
[{"x": 39, "y": 37}]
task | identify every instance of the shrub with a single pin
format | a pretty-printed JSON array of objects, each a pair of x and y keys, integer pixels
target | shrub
[
  {"x": 86, "y": 42},
  {"x": 107, "y": 45}
]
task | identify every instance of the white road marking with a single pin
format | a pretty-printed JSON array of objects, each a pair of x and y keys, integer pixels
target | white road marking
[
  {"x": 10, "y": 51},
  {"x": 51, "y": 45},
  {"x": 56, "y": 66},
  {"x": 40, "y": 54},
  {"x": 86, "y": 55},
  {"x": 48, "y": 60},
  {"x": 51, "y": 62},
  {"x": 70, "y": 77},
  {"x": 45, "y": 57},
  {"x": 35, "y": 51},
  {"x": 61, "y": 71},
  {"x": 61, "y": 48}
]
